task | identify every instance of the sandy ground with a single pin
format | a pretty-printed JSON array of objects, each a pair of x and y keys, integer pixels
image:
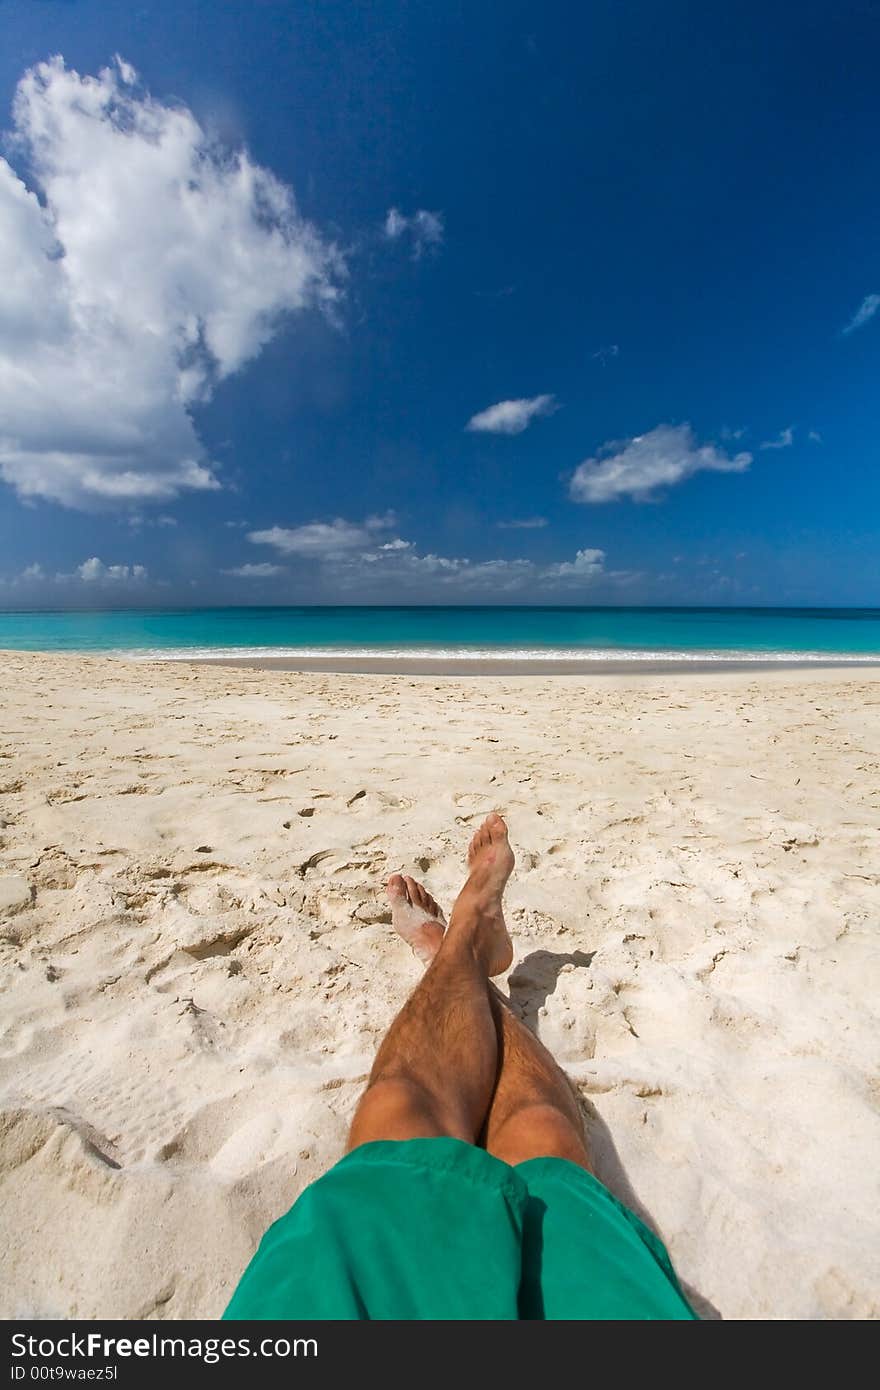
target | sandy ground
[{"x": 197, "y": 963}]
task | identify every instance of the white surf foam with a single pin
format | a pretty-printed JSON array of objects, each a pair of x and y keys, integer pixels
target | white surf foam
[{"x": 490, "y": 654}]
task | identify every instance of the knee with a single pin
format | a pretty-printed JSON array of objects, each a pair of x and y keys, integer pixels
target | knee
[
  {"x": 539, "y": 1131},
  {"x": 399, "y": 1108}
]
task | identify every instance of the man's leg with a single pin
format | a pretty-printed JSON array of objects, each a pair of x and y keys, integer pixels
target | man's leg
[
  {"x": 436, "y": 1069},
  {"x": 534, "y": 1111}
]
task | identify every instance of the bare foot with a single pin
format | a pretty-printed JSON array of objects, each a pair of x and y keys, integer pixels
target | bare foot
[
  {"x": 415, "y": 916},
  {"x": 478, "y": 906}
]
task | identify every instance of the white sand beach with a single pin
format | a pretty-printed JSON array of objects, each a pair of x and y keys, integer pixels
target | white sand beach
[{"x": 197, "y": 962}]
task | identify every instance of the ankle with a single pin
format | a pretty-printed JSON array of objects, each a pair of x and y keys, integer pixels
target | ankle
[
  {"x": 466, "y": 941},
  {"x": 477, "y": 904}
]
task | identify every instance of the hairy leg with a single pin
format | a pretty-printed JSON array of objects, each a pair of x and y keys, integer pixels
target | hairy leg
[
  {"x": 435, "y": 1071},
  {"x": 534, "y": 1111}
]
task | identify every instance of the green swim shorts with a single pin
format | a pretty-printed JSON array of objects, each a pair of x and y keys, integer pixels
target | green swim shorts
[{"x": 438, "y": 1229}]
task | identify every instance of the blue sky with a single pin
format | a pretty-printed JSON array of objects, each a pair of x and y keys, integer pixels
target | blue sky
[{"x": 321, "y": 301}]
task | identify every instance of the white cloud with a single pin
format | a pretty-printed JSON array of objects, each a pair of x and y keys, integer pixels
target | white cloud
[
  {"x": 94, "y": 571},
  {"x": 512, "y": 417},
  {"x": 527, "y": 523},
  {"x": 321, "y": 538},
  {"x": 865, "y": 312},
  {"x": 351, "y": 555},
  {"x": 460, "y": 573},
  {"x": 91, "y": 572},
  {"x": 585, "y": 565},
  {"x": 395, "y": 224},
  {"x": 783, "y": 440},
  {"x": 422, "y": 229},
  {"x": 638, "y": 467},
  {"x": 126, "y": 71},
  {"x": 416, "y": 571},
  {"x": 142, "y": 266},
  {"x": 814, "y": 437},
  {"x": 261, "y": 571},
  {"x": 137, "y": 521},
  {"x": 605, "y": 354}
]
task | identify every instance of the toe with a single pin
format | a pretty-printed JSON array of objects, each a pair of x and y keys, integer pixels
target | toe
[
  {"x": 414, "y": 891},
  {"x": 482, "y": 837},
  {"x": 426, "y": 902},
  {"x": 433, "y": 907},
  {"x": 396, "y": 887}
]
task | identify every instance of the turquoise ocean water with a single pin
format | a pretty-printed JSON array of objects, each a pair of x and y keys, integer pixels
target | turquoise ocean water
[{"x": 523, "y": 634}]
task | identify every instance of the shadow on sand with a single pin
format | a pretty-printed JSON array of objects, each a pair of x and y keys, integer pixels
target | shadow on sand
[{"x": 531, "y": 984}]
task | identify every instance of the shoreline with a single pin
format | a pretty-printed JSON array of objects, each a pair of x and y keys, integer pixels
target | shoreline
[
  {"x": 443, "y": 666},
  {"x": 447, "y": 667}
]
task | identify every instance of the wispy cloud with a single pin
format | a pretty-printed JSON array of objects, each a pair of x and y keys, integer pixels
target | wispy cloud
[
  {"x": 527, "y": 523},
  {"x": 260, "y": 571},
  {"x": 423, "y": 230},
  {"x": 512, "y": 417},
  {"x": 814, "y": 437},
  {"x": 352, "y": 556},
  {"x": 324, "y": 538},
  {"x": 641, "y": 466},
  {"x": 606, "y": 354},
  {"x": 495, "y": 576},
  {"x": 137, "y": 521},
  {"x": 783, "y": 440},
  {"x": 865, "y": 312},
  {"x": 140, "y": 266}
]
